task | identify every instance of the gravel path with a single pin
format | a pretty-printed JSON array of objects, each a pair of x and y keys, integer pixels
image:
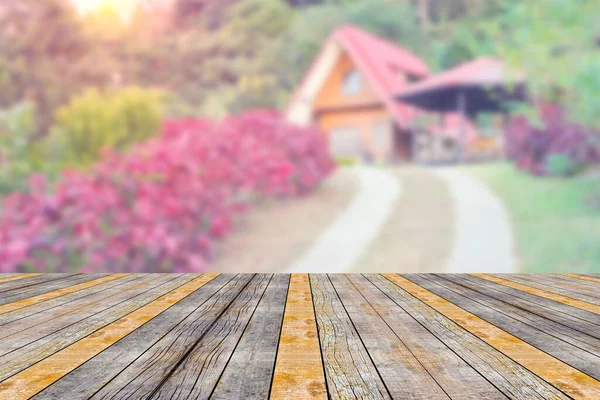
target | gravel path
[
  {"x": 338, "y": 248},
  {"x": 483, "y": 240}
]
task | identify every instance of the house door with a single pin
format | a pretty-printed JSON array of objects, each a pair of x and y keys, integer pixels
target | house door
[
  {"x": 345, "y": 143},
  {"x": 382, "y": 140}
]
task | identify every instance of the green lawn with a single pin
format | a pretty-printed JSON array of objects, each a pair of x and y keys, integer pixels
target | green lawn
[{"x": 556, "y": 227}]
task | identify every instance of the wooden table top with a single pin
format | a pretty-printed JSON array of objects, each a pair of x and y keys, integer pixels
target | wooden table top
[{"x": 299, "y": 336}]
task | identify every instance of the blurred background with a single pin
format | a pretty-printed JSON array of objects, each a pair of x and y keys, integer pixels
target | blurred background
[{"x": 299, "y": 135}]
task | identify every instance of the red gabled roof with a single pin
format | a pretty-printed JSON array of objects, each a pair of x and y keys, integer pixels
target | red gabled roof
[
  {"x": 482, "y": 71},
  {"x": 381, "y": 62}
]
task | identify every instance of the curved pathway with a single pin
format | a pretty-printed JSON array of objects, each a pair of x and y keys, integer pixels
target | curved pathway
[
  {"x": 355, "y": 227},
  {"x": 483, "y": 239}
]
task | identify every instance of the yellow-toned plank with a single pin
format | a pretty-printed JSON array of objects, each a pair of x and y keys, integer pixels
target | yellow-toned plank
[
  {"x": 57, "y": 293},
  {"x": 16, "y": 277},
  {"x": 542, "y": 293},
  {"x": 582, "y": 277},
  {"x": 566, "y": 378},
  {"x": 298, "y": 368},
  {"x": 37, "y": 377}
]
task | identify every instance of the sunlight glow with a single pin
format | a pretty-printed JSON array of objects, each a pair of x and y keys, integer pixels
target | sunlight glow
[{"x": 125, "y": 8}]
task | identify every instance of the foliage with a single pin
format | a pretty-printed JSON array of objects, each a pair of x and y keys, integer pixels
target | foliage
[
  {"x": 530, "y": 145},
  {"x": 555, "y": 46},
  {"x": 562, "y": 165},
  {"x": 163, "y": 205},
  {"x": 18, "y": 156},
  {"x": 94, "y": 121}
]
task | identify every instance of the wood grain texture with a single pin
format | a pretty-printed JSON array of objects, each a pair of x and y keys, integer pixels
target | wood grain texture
[
  {"x": 577, "y": 290},
  {"x": 250, "y": 370},
  {"x": 501, "y": 315},
  {"x": 457, "y": 378},
  {"x": 541, "y": 293},
  {"x": 145, "y": 375},
  {"x": 589, "y": 278},
  {"x": 58, "y": 293},
  {"x": 66, "y": 300},
  {"x": 515, "y": 381},
  {"x": 45, "y": 287},
  {"x": 564, "y": 377},
  {"x": 14, "y": 277},
  {"x": 529, "y": 306},
  {"x": 404, "y": 375},
  {"x": 298, "y": 368},
  {"x": 59, "y": 336},
  {"x": 349, "y": 369},
  {"x": 39, "y": 376},
  {"x": 198, "y": 373},
  {"x": 87, "y": 379},
  {"x": 10, "y": 287}
]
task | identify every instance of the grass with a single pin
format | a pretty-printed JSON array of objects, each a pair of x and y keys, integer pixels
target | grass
[{"x": 557, "y": 228}]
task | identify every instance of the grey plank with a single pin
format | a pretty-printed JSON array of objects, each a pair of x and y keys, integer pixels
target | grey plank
[
  {"x": 64, "y": 300},
  {"x": 500, "y": 317},
  {"x": 578, "y": 283},
  {"x": 90, "y": 377},
  {"x": 515, "y": 381},
  {"x": 23, "y": 331},
  {"x": 250, "y": 370},
  {"x": 25, "y": 356},
  {"x": 143, "y": 376},
  {"x": 532, "y": 311},
  {"x": 457, "y": 378},
  {"x": 584, "y": 315},
  {"x": 563, "y": 287},
  {"x": 13, "y": 286},
  {"x": 349, "y": 370},
  {"x": 45, "y": 287},
  {"x": 199, "y": 372},
  {"x": 403, "y": 374}
]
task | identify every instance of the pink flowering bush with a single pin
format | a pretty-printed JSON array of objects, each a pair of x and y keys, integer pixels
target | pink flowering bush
[
  {"x": 162, "y": 206},
  {"x": 531, "y": 148}
]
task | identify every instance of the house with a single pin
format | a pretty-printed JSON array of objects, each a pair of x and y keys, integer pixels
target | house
[{"x": 348, "y": 92}]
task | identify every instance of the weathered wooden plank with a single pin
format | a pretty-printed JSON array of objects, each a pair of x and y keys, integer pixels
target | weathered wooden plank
[
  {"x": 580, "y": 281},
  {"x": 10, "y": 287},
  {"x": 16, "y": 334},
  {"x": 298, "y": 368},
  {"x": 65, "y": 300},
  {"x": 568, "y": 379},
  {"x": 198, "y": 373},
  {"x": 581, "y": 309},
  {"x": 546, "y": 335},
  {"x": 48, "y": 371},
  {"x": 23, "y": 357},
  {"x": 515, "y": 381},
  {"x": 349, "y": 370},
  {"x": 544, "y": 295},
  {"x": 250, "y": 370},
  {"x": 143, "y": 376},
  {"x": 403, "y": 374},
  {"x": 560, "y": 286},
  {"x": 529, "y": 306},
  {"x": 45, "y": 287},
  {"x": 14, "y": 277},
  {"x": 457, "y": 378},
  {"x": 589, "y": 278},
  {"x": 57, "y": 293}
]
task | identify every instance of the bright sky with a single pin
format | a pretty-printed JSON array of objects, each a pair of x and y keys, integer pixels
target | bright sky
[{"x": 125, "y": 7}]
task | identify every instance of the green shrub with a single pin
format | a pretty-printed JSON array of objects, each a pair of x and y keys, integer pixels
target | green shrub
[
  {"x": 562, "y": 165},
  {"x": 18, "y": 153},
  {"x": 346, "y": 161},
  {"x": 94, "y": 121}
]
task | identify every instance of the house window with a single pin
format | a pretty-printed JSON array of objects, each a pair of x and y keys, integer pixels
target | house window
[{"x": 352, "y": 83}]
